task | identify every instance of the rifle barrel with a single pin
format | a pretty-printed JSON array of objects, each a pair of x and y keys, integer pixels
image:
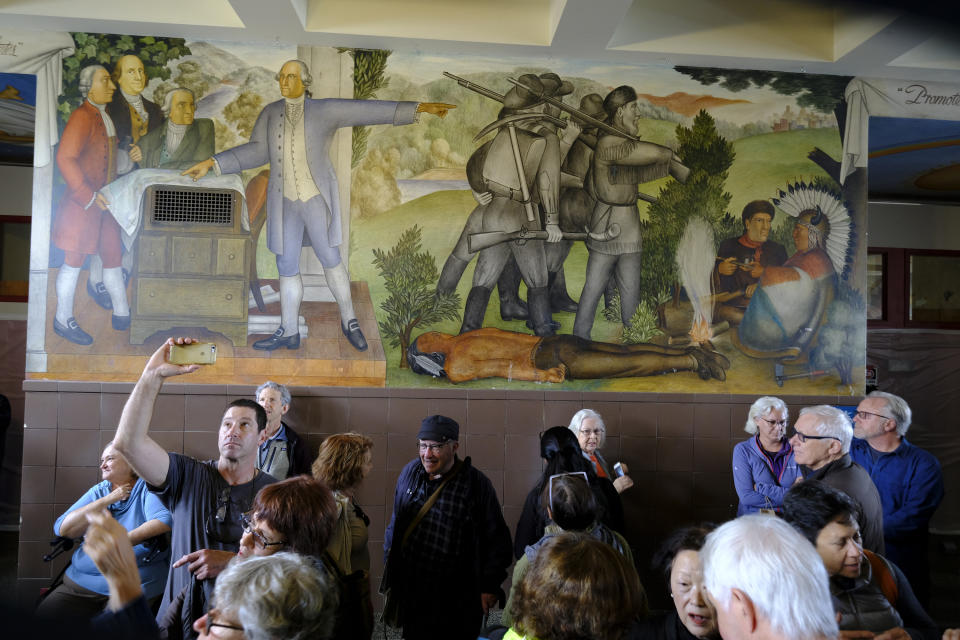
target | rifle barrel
[
  {"x": 600, "y": 124},
  {"x": 473, "y": 86}
]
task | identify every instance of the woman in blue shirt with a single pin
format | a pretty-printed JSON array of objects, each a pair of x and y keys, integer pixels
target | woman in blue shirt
[
  {"x": 84, "y": 591},
  {"x": 763, "y": 466}
]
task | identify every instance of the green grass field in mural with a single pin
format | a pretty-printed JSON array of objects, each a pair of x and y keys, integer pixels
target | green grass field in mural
[{"x": 765, "y": 163}]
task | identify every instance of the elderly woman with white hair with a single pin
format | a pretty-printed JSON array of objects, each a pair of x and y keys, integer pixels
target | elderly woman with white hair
[
  {"x": 764, "y": 468},
  {"x": 591, "y": 433},
  {"x": 276, "y": 597}
]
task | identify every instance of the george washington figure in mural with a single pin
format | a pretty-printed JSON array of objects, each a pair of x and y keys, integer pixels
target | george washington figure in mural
[
  {"x": 88, "y": 158},
  {"x": 620, "y": 165},
  {"x": 293, "y": 135},
  {"x": 495, "y": 353}
]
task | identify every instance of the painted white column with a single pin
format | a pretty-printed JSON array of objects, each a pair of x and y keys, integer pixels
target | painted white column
[{"x": 332, "y": 78}]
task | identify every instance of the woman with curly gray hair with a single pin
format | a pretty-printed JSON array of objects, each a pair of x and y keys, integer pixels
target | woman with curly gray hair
[
  {"x": 763, "y": 466},
  {"x": 278, "y": 597}
]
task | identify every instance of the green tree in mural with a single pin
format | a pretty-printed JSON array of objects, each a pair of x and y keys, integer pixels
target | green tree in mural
[
  {"x": 410, "y": 278},
  {"x": 369, "y": 76},
  {"x": 106, "y": 49},
  {"x": 823, "y": 93},
  {"x": 709, "y": 156}
]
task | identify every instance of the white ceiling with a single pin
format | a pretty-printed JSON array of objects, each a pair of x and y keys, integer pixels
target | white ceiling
[{"x": 787, "y": 35}]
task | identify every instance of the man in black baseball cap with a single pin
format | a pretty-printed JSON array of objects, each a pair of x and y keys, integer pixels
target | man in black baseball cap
[{"x": 447, "y": 545}]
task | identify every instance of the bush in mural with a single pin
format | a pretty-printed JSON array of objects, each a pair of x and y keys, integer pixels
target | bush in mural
[
  {"x": 410, "y": 276},
  {"x": 106, "y": 49},
  {"x": 709, "y": 156}
]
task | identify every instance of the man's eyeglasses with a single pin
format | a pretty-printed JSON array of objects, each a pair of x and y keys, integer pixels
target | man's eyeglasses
[
  {"x": 210, "y": 623},
  {"x": 804, "y": 437},
  {"x": 779, "y": 423},
  {"x": 434, "y": 448},
  {"x": 863, "y": 415},
  {"x": 259, "y": 539}
]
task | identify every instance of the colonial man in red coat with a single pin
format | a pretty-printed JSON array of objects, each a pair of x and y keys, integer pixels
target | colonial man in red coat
[{"x": 88, "y": 158}]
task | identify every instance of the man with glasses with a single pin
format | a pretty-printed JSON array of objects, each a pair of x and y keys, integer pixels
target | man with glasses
[
  {"x": 206, "y": 498},
  {"x": 446, "y": 561},
  {"x": 821, "y": 446},
  {"x": 908, "y": 478}
]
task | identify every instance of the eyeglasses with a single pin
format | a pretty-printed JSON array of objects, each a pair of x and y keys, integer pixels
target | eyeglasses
[
  {"x": 592, "y": 432},
  {"x": 580, "y": 474},
  {"x": 221, "y": 525},
  {"x": 863, "y": 415},
  {"x": 804, "y": 437},
  {"x": 435, "y": 448},
  {"x": 779, "y": 423},
  {"x": 260, "y": 539},
  {"x": 209, "y": 623}
]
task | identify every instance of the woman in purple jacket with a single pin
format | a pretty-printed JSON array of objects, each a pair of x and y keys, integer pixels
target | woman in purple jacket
[{"x": 763, "y": 466}]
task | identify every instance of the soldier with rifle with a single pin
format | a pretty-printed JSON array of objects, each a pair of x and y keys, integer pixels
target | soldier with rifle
[
  {"x": 526, "y": 138},
  {"x": 621, "y": 163}
]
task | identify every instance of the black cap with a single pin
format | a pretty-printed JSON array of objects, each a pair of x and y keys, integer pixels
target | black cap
[{"x": 439, "y": 428}]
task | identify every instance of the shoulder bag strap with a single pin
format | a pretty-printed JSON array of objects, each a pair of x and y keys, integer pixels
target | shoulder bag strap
[{"x": 429, "y": 503}]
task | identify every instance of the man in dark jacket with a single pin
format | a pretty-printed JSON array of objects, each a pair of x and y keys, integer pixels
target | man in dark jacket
[
  {"x": 446, "y": 566},
  {"x": 821, "y": 446},
  {"x": 283, "y": 454}
]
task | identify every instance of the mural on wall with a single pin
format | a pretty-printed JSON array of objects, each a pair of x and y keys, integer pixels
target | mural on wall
[{"x": 644, "y": 228}]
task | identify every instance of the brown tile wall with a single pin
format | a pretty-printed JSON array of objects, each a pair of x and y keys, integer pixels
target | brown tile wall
[{"x": 678, "y": 448}]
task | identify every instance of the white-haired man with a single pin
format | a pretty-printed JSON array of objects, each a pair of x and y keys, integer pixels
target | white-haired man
[
  {"x": 182, "y": 141},
  {"x": 908, "y": 479},
  {"x": 767, "y": 582},
  {"x": 293, "y": 135},
  {"x": 283, "y": 453},
  {"x": 821, "y": 446}
]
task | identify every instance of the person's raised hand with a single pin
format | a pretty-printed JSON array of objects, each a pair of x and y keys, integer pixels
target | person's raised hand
[{"x": 159, "y": 364}]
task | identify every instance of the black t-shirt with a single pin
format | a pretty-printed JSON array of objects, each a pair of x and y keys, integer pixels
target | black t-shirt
[{"x": 206, "y": 512}]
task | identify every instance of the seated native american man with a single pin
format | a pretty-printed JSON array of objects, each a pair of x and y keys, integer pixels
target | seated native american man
[
  {"x": 494, "y": 353},
  {"x": 790, "y": 302}
]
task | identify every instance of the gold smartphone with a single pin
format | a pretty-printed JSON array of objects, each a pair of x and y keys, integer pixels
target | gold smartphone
[{"x": 194, "y": 353}]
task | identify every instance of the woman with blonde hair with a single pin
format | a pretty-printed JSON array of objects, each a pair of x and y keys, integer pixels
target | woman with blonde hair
[
  {"x": 576, "y": 587},
  {"x": 343, "y": 462}
]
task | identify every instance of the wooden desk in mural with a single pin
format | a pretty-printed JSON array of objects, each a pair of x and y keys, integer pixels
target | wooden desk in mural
[{"x": 192, "y": 263}]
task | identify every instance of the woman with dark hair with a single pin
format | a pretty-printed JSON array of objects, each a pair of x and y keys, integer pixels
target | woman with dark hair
[
  {"x": 571, "y": 508},
  {"x": 869, "y": 592},
  {"x": 297, "y": 514},
  {"x": 692, "y": 617},
  {"x": 559, "y": 447},
  {"x": 343, "y": 462},
  {"x": 576, "y": 587}
]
